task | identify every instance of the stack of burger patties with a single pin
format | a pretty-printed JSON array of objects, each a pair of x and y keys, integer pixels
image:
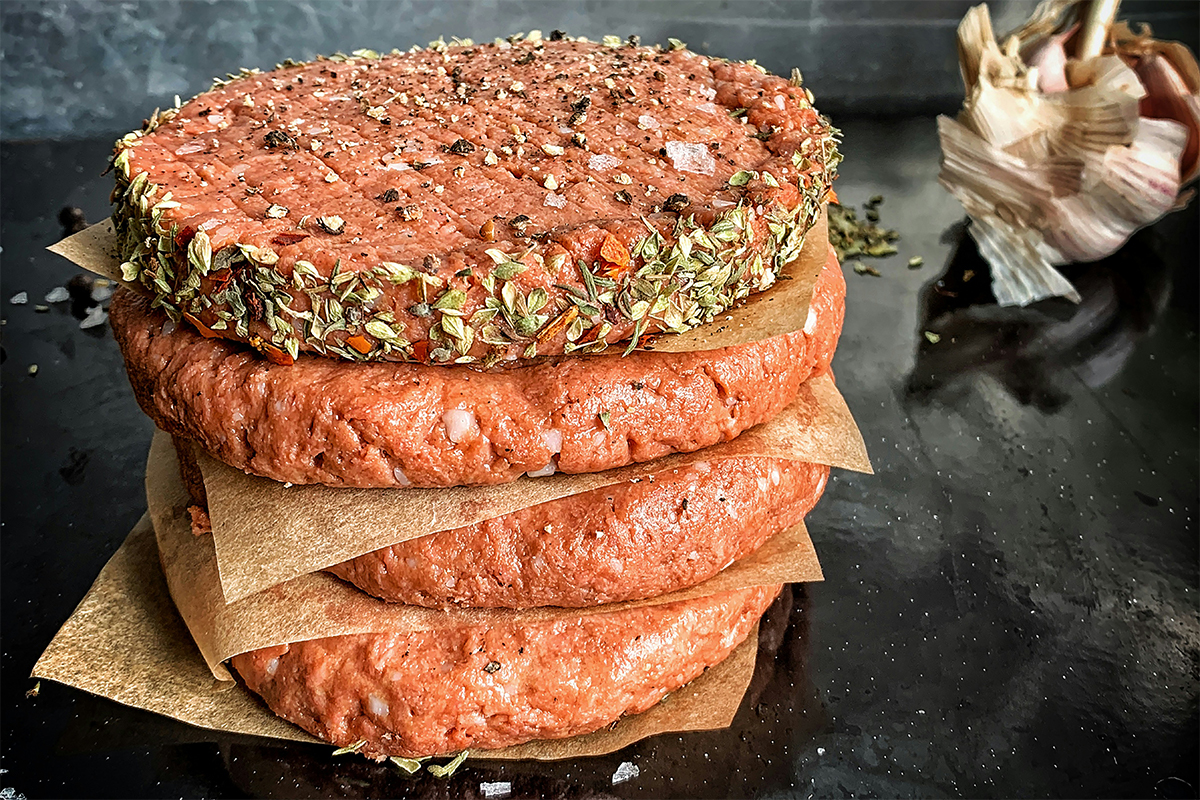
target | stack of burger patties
[{"x": 450, "y": 267}]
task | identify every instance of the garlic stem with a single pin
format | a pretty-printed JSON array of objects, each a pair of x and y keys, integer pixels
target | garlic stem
[{"x": 1100, "y": 15}]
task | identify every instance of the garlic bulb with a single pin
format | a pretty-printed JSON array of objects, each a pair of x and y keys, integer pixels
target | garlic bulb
[{"x": 1057, "y": 159}]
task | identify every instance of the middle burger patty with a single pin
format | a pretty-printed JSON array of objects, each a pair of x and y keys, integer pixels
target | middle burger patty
[{"x": 627, "y": 541}]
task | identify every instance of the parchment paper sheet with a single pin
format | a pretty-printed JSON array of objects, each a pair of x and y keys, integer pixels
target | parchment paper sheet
[
  {"x": 266, "y": 532},
  {"x": 125, "y": 642},
  {"x": 319, "y": 605},
  {"x": 781, "y": 309}
]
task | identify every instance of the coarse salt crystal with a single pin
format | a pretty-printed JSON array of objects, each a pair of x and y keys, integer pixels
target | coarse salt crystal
[
  {"x": 603, "y": 161},
  {"x": 497, "y": 789},
  {"x": 649, "y": 122},
  {"x": 779, "y": 101},
  {"x": 691, "y": 158},
  {"x": 555, "y": 200},
  {"x": 708, "y": 92},
  {"x": 377, "y": 705},
  {"x": 810, "y": 324},
  {"x": 19, "y": 299},
  {"x": 544, "y": 472},
  {"x": 57, "y": 295},
  {"x": 400, "y": 477},
  {"x": 460, "y": 424},
  {"x": 720, "y": 204},
  {"x": 215, "y": 119},
  {"x": 553, "y": 439},
  {"x": 192, "y": 147},
  {"x": 709, "y": 108}
]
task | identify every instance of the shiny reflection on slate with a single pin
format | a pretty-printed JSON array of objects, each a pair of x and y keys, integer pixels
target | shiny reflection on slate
[
  {"x": 963, "y": 331},
  {"x": 779, "y": 716}
]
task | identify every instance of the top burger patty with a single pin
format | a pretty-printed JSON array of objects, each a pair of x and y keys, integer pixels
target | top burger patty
[{"x": 472, "y": 203}]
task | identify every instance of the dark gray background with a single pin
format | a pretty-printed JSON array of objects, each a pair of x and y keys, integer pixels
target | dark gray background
[{"x": 81, "y": 68}]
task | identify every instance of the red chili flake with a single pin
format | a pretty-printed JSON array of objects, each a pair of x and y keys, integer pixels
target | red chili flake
[
  {"x": 360, "y": 344},
  {"x": 558, "y": 325},
  {"x": 205, "y": 331},
  {"x": 221, "y": 278},
  {"x": 277, "y": 356},
  {"x": 185, "y": 235},
  {"x": 833, "y": 197},
  {"x": 421, "y": 350},
  {"x": 285, "y": 239},
  {"x": 615, "y": 255}
]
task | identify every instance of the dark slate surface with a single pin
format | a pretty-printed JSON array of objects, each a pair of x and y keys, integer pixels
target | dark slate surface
[
  {"x": 85, "y": 67},
  {"x": 1010, "y": 605}
]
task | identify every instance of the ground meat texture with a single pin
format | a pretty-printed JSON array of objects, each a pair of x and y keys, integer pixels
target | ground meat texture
[
  {"x": 381, "y": 425},
  {"x": 623, "y": 542},
  {"x": 443, "y": 205},
  {"x": 627, "y": 541},
  {"x": 480, "y": 687}
]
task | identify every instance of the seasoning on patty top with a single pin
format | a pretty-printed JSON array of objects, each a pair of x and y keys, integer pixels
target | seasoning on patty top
[{"x": 472, "y": 203}]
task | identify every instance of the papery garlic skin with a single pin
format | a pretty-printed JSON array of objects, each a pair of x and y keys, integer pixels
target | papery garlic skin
[{"x": 1051, "y": 174}]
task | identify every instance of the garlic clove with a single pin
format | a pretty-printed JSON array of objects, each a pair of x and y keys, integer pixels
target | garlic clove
[
  {"x": 1167, "y": 97},
  {"x": 1049, "y": 57}
]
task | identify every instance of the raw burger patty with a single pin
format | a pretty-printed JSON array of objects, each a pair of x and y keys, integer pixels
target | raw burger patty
[
  {"x": 487, "y": 687},
  {"x": 627, "y": 541},
  {"x": 444, "y": 205},
  {"x": 385, "y": 424}
]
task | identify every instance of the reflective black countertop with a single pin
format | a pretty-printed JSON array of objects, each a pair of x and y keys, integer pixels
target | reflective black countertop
[{"x": 1010, "y": 605}]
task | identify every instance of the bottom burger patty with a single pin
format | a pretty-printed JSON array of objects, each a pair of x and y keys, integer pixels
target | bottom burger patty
[
  {"x": 436, "y": 692},
  {"x": 627, "y": 541}
]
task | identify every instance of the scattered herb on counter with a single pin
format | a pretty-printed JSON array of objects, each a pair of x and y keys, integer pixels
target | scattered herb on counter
[
  {"x": 445, "y": 771},
  {"x": 354, "y": 748},
  {"x": 916, "y": 262},
  {"x": 852, "y": 237},
  {"x": 33, "y": 370},
  {"x": 407, "y": 765},
  {"x": 932, "y": 337}
]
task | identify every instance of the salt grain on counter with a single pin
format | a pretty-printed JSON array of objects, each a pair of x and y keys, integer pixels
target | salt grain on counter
[
  {"x": 95, "y": 316},
  {"x": 19, "y": 299},
  {"x": 603, "y": 161},
  {"x": 555, "y": 200},
  {"x": 691, "y": 158},
  {"x": 625, "y": 771},
  {"x": 497, "y": 789},
  {"x": 58, "y": 294}
]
